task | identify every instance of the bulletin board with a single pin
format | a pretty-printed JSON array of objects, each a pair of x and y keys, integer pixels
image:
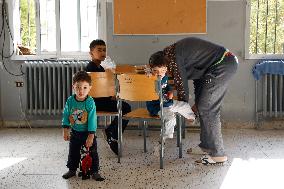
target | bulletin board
[{"x": 142, "y": 17}]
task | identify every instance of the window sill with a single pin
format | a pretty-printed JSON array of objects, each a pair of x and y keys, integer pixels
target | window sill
[
  {"x": 264, "y": 56},
  {"x": 81, "y": 56}
]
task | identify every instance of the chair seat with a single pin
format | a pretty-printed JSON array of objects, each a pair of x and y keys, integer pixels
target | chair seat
[
  {"x": 140, "y": 113},
  {"x": 103, "y": 113}
]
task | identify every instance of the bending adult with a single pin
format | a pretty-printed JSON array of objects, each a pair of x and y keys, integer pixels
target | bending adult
[{"x": 210, "y": 66}]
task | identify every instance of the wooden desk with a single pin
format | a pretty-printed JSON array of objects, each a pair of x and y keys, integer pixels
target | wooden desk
[{"x": 127, "y": 68}]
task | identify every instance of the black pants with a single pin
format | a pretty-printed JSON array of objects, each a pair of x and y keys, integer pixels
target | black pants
[
  {"x": 77, "y": 140},
  {"x": 111, "y": 106}
]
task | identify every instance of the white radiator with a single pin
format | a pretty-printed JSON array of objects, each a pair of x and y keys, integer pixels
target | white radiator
[
  {"x": 269, "y": 97},
  {"x": 48, "y": 85}
]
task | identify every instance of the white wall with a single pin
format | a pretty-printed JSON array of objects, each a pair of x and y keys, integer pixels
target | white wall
[{"x": 226, "y": 25}]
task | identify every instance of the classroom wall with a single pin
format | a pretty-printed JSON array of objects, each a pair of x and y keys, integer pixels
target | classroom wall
[{"x": 226, "y": 26}]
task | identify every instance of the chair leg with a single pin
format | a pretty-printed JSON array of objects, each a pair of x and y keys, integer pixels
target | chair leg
[
  {"x": 162, "y": 156},
  {"x": 145, "y": 125},
  {"x": 178, "y": 118},
  {"x": 139, "y": 128},
  {"x": 179, "y": 136},
  {"x": 109, "y": 120},
  {"x": 162, "y": 143},
  {"x": 105, "y": 121},
  {"x": 119, "y": 138},
  {"x": 183, "y": 127}
]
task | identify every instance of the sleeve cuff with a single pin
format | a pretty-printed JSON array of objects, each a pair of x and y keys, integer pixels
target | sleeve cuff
[
  {"x": 65, "y": 126},
  {"x": 91, "y": 132}
]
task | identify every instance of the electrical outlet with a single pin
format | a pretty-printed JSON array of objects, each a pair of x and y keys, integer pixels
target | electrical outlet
[{"x": 19, "y": 83}]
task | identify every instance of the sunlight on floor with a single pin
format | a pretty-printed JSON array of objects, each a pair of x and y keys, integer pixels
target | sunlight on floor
[
  {"x": 9, "y": 161},
  {"x": 254, "y": 173}
]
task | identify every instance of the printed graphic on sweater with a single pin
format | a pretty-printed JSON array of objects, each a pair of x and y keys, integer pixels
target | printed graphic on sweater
[{"x": 78, "y": 117}]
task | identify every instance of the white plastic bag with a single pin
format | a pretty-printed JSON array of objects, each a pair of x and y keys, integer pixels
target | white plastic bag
[{"x": 108, "y": 63}]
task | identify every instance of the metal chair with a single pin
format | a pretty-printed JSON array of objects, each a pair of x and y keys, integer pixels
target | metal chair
[
  {"x": 103, "y": 85},
  {"x": 139, "y": 87}
]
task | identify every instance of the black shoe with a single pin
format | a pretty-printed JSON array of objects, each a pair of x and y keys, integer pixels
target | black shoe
[
  {"x": 108, "y": 135},
  {"x": 114, "y": 146},
  {"x": 97, "y": 177},
  {"x": 69, "y": 174}
]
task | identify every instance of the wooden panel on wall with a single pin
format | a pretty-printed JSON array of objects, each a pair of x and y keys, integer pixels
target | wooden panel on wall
[{"x": 159, "y": 16}]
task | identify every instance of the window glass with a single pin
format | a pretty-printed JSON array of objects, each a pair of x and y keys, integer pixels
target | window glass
[
  {"x": 35, "y": 26},
  {"x": 27, "y": 42},
  {"x": 47, "y": 25},
  {"x": 266, "y": 27},
  {"x": 89, "y": 27},
  {"x": 69, "y": 25}
]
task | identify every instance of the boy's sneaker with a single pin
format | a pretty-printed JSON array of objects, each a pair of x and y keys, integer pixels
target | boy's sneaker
[
  {"x": 113, "y": 146},
  {"x": 107, "y": 135},
  {"x": 69, "y": 174},
  {"x": 97, "y": 177},
  {"x": 111, "y": 142}
]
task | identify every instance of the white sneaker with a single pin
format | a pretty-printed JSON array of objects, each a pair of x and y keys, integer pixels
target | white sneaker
[
  {"x": 169, "y": 136},
  {"x": 198, "y": 151}
]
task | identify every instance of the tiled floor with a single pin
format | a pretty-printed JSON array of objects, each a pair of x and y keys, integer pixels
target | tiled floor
[{"x": 36, "y": 159}]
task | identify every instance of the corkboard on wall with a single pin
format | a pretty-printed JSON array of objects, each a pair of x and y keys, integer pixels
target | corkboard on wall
[{"x": 159, "y": 16}]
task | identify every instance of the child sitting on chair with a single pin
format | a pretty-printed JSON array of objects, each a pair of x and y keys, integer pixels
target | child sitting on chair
[
  {"x": 98, "y": 54},
  {"x": 80, "y": 114},
  {"x": 170, "y": 106}
]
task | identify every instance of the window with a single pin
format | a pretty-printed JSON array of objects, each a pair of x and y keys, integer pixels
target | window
[
  {"x": 56, "y": 28},
  {"x": 265, "y": 34}
]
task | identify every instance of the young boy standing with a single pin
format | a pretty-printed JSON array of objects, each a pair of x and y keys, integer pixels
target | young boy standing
[
  {"x": 170, "y": 106},
  {"x": 80, "y": 115},
  {"x": 98, "y": 54}
]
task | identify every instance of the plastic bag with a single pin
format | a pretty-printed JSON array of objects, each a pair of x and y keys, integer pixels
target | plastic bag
[{"x": 108, "y": 63}]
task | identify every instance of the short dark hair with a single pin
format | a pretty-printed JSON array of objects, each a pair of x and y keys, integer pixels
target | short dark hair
[
  {"x": 158, "y": 59},
  {"x": 82, "y": 76},
  {"x": 96, "y": 42}
]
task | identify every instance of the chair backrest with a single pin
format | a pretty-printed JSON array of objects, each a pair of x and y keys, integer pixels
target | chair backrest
[
  {"x": 103, "y": 84},
  {"x": 125, "y": 68},
  {"x": 138, "y": 87}
]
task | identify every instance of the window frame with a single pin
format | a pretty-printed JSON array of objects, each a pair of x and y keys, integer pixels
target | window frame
[
  {"x": 247, "y": 39},
  {"x": 102, "y": 13}
]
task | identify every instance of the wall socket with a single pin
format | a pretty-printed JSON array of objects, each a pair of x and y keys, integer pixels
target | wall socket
[{"x": 19, "y": 83}]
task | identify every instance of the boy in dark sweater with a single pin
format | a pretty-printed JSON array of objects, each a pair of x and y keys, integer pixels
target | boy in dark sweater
[{"x": 98, "y": 54}]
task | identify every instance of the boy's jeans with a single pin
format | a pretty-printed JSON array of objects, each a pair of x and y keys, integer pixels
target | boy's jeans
[{"x": 77, "y": 140}]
